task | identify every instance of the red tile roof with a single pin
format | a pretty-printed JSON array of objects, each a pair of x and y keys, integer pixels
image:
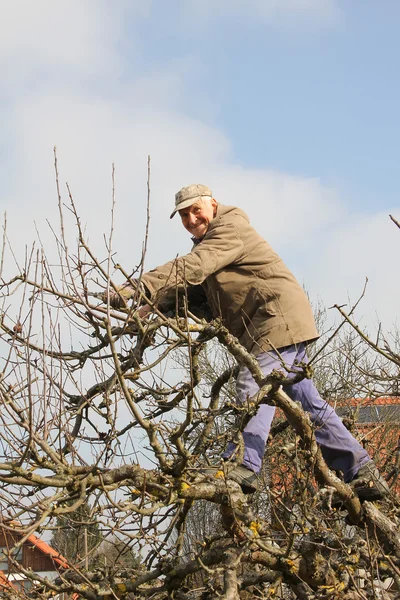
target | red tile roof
[
  {"x": 5, "y": 582},
  {"x": 380, "y": 401}
]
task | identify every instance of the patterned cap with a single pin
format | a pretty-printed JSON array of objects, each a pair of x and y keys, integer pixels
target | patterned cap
[{"x": 189, "y": 195}]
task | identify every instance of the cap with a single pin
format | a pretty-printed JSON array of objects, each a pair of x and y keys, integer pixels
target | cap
[{"x": 189, "y": 195}]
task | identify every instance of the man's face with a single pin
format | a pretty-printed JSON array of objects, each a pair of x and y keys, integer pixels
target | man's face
[{"x": 197, "y": 217}]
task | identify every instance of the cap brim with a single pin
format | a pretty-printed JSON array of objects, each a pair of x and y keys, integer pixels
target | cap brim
[{"x": 186, "y": 204}]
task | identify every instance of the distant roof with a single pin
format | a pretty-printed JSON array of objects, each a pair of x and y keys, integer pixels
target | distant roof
[
  {"x": 371, "y": 410},
  {"x": 372, "y": 414},
  {"x": 4, "y": 582},
  {"x": 381, "y": 400}
]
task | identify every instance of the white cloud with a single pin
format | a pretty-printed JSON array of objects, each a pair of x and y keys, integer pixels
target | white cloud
[
  {"x": 362, "y": 247},
  {"x": 91, "y": 133},
  {"x": 67, "y": 37}
]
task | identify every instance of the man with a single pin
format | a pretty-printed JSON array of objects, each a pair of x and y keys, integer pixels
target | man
[{"x": 261, "y": 303}]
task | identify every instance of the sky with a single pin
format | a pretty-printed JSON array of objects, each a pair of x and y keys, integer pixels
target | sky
[{"x": 286, "y": 108}]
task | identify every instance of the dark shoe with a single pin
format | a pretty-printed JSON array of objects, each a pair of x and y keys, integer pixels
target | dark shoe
[
  {"x": 369, "y": 484},
  {"x": 247, "y": 479}
]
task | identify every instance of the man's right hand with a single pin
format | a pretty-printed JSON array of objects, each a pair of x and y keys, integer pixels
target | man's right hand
[{"x": 126, "y": 291}]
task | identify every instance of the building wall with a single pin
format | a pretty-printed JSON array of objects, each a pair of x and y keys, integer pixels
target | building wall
[
  {"x": 28, "y": 556},
  {"x": 36, "y": 560}
]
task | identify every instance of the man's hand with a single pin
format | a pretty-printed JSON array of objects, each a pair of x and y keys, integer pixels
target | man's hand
[
  {"x": 125, "y": 291},
  {"x": 144, "y": 311}
]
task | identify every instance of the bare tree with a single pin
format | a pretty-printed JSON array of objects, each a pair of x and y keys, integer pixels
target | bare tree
[{"x": 93, "y": 414}]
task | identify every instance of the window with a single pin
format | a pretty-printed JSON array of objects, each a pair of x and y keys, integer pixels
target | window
[
  {"x": 3, "y": 559},
  {"x": 4, "y": 552}
]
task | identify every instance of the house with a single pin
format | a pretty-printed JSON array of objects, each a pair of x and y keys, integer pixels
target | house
[
  {"x": 375, "y": 422},
  {"x": 34, "y": 554}
]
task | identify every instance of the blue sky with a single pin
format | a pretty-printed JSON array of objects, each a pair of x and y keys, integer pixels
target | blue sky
[
  {"x": 318, "y": 100},
  {"x": 289, "y": 109}
]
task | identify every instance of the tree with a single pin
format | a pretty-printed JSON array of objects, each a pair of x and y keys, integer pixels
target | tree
[
  {"x": 115, "y": 556},
  {"x": 77, "y": 535},
  {"x": 102, "y": 422}
]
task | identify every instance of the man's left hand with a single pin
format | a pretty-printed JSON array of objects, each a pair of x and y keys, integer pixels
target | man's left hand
[{"x": 144, "y": 311}]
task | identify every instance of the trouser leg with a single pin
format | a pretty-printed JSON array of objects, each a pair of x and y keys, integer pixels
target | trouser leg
[
  {"x": 339, "y": 448},
  {"x": 341, "y": 451},
  {"x": 256, "y": 432}
]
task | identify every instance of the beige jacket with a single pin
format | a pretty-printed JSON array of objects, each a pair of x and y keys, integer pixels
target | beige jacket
[{"x": 246, "y": 283}]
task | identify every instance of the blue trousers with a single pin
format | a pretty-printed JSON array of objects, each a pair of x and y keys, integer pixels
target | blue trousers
[{"x": 340, "y": 449}]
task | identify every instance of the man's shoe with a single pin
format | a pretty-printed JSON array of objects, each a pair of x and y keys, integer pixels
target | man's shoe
[
  {"x": 369, "y": 484},
  {"x": 247, "y": 479}
]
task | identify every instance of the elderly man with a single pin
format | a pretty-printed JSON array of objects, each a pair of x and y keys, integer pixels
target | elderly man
[{"x": 261, "y": 303}]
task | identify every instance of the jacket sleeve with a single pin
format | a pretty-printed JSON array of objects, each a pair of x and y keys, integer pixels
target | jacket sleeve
[
  {"x": 221, "y": 246},
  {"x": 198, "y": 303}
]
